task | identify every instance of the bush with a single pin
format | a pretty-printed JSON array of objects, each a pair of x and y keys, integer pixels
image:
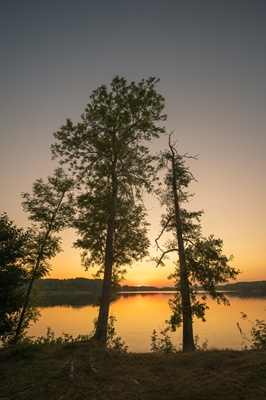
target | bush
[{"x": 257, "y": 333}]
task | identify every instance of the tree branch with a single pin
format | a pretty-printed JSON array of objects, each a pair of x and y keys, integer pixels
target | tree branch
[{"x": 162, "y": 256}]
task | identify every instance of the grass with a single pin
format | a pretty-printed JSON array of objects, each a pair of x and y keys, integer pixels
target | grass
[{"x": 84, "y": 371}]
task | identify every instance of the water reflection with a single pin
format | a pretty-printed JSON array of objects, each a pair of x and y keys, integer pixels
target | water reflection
[
  {"x": 255, "y": 294},
  {"x": 69, "y": 299},
  {"x": 84, "y": 299},
  {"x": 139, "y": 313},
  {"x": 80, "y": 299}
]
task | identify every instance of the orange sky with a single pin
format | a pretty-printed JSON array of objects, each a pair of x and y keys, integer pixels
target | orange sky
[
  {"x": 211, "y": 61},
  {"x": 67, "y": 263}
]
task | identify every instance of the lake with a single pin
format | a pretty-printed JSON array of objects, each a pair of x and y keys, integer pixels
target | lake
[{"x": 139, "y": 313}]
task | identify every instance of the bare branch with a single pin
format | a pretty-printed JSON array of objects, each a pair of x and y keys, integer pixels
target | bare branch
[
  {"x": 162, "y": 231},
  {"x": 162, "y": 256}
]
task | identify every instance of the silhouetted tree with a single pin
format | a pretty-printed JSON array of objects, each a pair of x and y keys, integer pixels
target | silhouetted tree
[
  {"x": 200, "y": 259},
  {"x": 51, "y": 209},
  {"x": 107, "y": 154}
]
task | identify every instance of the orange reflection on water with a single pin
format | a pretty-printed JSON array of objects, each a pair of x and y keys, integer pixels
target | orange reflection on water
[
  {"x": 221, "y": 327},
  {"x": 72, "y": 320},
  {"x": 139, "y": 314}
]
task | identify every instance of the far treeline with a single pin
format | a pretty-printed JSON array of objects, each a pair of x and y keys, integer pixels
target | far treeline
[
  {"x": 252, "y": 289},
  {"x": 70, "y": 285}
]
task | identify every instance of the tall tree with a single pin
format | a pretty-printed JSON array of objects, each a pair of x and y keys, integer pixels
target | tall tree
[
  {"x": 200, "y": 260},
  {"x": 107, "y": 153},
  {"x": 51, "y": 209}
]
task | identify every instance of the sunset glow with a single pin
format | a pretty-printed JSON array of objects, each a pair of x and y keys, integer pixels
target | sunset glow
[{"x": 210, "y": 58}]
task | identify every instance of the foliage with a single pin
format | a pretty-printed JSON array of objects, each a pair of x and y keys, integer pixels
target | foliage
[
  {"x": 257, "y": 333},
  {"x": 108, "y": 157},
  {"x": 162, "y": 343},
  {"x": 46, "y": 198},
  {"x": 130, "y": 236},
  {"x": 113, "y": 341},
  {"x": 14, "y": 274},
  {"x": 207, "y": 267},
  {"x": 200, "y": 347},
  {"x": 50, "y": 339}
]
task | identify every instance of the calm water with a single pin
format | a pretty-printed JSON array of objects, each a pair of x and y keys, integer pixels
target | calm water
[{"x": 139, "y": 313}]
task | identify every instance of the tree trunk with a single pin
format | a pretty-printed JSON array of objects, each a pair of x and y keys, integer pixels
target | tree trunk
[
  {"x": 102, "y": 323},
  {"x": 188, "y": 338}
]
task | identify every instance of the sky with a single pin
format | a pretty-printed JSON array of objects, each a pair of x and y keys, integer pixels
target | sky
[{"x": 210, "y": 57}]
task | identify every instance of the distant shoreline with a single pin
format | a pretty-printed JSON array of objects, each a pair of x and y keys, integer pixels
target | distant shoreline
[{"x": 94, "y": 286}]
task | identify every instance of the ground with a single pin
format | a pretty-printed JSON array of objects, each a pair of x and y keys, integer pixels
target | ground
[{"x": 84, "y": 371}]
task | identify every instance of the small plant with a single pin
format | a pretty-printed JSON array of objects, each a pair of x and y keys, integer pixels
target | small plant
[
  {"x": 114, "y": 342},
  {"x": 162, "y": 344},
  {"x": 257, "y": 333},
  {"x": 203, "y": 346},
  {"x": 50, "y": 339}
]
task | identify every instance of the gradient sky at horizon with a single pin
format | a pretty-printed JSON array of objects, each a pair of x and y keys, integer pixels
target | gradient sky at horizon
[{"x": 210, "y": 56}]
